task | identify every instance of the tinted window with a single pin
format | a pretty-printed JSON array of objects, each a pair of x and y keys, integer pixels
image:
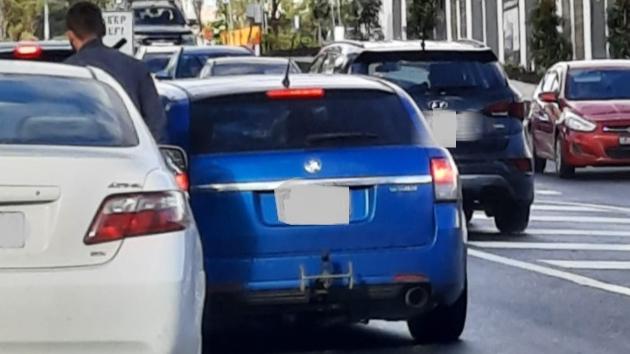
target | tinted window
[
  {"x": 157, "y": 62},
  {"x": 343, "y": 118},
  {"x": 251, "y": 69},
  {"x": 158, "y": 15},
  {"x": 598, "y": 84},
  {"x": 433, "y": 72},
  {"x": 85, "y": 113},
  {"x": 190, "y": 64}
]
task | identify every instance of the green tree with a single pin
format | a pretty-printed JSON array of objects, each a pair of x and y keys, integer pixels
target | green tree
[
  {"x": 321, "y": 17},
  {"x": 619, "y": 29},
  {"x": 20, "y": 18},
  {"x": 421, "y": 19},
  {"x": 362, "y": 17},
  {"x": 549, "y": 46}
]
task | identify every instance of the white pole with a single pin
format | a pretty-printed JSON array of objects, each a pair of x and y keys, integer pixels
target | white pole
[
  {"x": 449, "y": 28},
  {"x": 522, "y": 32},
  {"x": 458, "y": 18},
  {"x": 606, "y": 28},
  {"x": 500, "y": 34},
  {"x": 46, "y": 21},
  {"x": 588, "y": 50},
  {"x": 483, "y": 20},
  {"x": 469, "y": 22},
  {"x": 572, "y": 9}
]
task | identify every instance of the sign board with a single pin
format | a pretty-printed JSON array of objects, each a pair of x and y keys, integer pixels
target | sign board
[{"x": 119, "y": 26}]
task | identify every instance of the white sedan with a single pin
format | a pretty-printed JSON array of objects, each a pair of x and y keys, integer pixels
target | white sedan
[{"x": 99, "y": 252}]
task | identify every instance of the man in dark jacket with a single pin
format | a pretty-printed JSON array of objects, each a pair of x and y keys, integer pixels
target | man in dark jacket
[{"x": 86, "y": 30}]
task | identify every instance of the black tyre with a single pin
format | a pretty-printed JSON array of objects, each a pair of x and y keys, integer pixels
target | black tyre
[
  {"x": 539, "y": 164},
  {"x": 563, "y": 170},
  {"x": 443, "y": 324},
  {"x": 468, "y": 212},
  {"x": 511, "y": 219}
]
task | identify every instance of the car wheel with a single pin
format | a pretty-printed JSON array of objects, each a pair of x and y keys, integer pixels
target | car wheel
[
  {"x": 539, "y": 163},
  {"x": 511, "y": 219},
  {"x": 563, "y": 170},
  {"x": 443, "y": 324}
]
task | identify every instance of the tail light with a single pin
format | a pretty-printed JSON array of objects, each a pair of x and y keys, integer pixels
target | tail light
[
  {"x": 523, "y": 165},
  {"x": 27, "y": 51},
  {"x": 297, "y": 93},
  {"x": 445, "y": 179},
  {"x": 506, "y": 109},
  {"x": 141, "y": 214},
  {"x": 182, "y": 181}
]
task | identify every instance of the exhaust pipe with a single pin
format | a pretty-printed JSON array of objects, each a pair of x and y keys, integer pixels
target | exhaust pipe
[{"x": 416, "y": 297}]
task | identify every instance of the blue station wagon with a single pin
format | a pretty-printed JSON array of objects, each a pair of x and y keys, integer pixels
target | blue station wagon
[{"x": 324, "y": 199}]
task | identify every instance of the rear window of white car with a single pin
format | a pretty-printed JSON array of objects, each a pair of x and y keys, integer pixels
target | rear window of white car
[{"x": 45, "y": 110}]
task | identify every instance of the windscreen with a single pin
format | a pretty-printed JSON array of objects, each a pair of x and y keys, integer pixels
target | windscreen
[
  {"x": 191, "y": 64},
  {"x": 598, "y": 84},
  {"x": 342, "y": 118},
  {"x": 157, "y": 62},
  {"x": 420, "y": 73},
  {"x": 228, "y": 69},
  {"x": 34, "y": 111},
  {"x": 158, "y": 15}
]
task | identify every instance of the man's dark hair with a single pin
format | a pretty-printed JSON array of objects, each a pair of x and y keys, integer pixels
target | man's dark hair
[{"x": 85, "y": 19}]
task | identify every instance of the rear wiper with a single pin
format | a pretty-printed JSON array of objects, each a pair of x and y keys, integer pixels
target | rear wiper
[{"x": 315, "y": 138}]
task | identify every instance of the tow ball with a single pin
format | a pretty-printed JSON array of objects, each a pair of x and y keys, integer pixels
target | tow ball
[{"x": 324, "y": 280}]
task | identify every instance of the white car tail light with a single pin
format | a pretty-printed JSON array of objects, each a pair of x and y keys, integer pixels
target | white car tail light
[
  {"x": 445, "y": 179},
  {"x": 139, "y": 214}
]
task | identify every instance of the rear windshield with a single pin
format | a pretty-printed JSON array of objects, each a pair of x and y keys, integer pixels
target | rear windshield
[
  {"x": 34, "y": 111},
  {"x": 251, "y": 69},
  {"x": 157, "y": 62},
  {"x": 158, "y": 15},
  {"x": 343, "y": 118},
  {"x": 191, "y": 64},
  {"x": 598, "y": 84},
  {"x": 436, "y": 73}
]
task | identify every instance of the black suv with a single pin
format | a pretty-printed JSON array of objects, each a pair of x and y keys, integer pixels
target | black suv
[
  {"x": 491, "y": 151},
  {"x": 160, "y": 21}
]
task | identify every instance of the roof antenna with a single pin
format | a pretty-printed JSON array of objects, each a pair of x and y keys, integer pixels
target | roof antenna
[{"x": 286, "y": 82}]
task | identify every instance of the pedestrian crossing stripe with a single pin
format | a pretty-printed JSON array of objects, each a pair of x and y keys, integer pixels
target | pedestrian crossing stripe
[
  {"x": 594, "y": 265},
  {"x": 552, "y": 246}
]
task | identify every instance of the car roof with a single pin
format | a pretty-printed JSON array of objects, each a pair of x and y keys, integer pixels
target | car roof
[
  {"x": 249, "y": 60},
  {"x": 598, "y": 63},
  {"x": 157, "y": 48},
  {"x": 228, "y": 85},
  {"x": 45, "y": 45},
  {"x": 42, "y": 68},
  {"x": 214, "y": 49},
  {"x": 414, "y": 45}
]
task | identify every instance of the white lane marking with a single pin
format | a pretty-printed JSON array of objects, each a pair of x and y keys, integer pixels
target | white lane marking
[
  {"x": 568, "y": 219},
  {"x": 578, "y": 279},
  {"x": 599, "y": 206},
  {"x": 545, "y": 207},
  {"x": 552, "y": 246},
  {"x": 547, "y": 192},
  {"x": 602, "y": 265},
  {"x": 581, "y": 232}
]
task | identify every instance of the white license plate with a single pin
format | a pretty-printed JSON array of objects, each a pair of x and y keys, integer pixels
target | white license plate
[
  {"x": 624, "y": 140},
  {"x": 307, "y": 204},
  {"x": 12, "y": 230}
]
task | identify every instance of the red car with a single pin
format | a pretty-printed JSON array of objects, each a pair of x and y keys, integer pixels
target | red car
[{"x": 580, "y": 116}]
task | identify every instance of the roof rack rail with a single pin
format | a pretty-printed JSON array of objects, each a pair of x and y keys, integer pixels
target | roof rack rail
[{"x": 474, "y": 42}]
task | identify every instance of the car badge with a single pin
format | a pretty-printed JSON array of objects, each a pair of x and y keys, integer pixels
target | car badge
[
  {"x": 438, "y": 105},
  {"x": 313, "y": 166}
]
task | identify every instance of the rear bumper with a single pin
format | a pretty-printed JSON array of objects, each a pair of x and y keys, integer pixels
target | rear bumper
[
  {"x": 275, "y": 284},
  {"x": 595, "y": 149},
  {"x": 147, "y": 300}
]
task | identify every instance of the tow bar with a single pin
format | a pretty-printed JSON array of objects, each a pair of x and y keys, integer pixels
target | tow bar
[{"x": 326, "y": 277}]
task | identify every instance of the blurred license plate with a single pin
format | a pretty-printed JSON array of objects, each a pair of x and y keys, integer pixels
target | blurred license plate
[
  {"x": 301, "y": 204},
  {"x": 444, "y": 127},
  {"x": 12, "y": 233},
  {"x": 624, "y": 140}
]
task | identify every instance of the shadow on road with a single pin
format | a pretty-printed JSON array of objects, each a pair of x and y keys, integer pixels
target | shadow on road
[{"x": 356, "y": 338}]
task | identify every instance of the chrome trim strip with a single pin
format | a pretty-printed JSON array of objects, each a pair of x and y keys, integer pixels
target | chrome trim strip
[
  {"x": 347, "y": 182},
  {"x": 621, "y": 129}
]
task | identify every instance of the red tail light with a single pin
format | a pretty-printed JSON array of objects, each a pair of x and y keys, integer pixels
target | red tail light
[
  {"x": 445, "y": 179},
  {"x": 523, "y": 165},
  {"x": 298, "y": 93},
  {"x": 130, "y": 215},
  {"x": 506, "y": 109},
  {"x": 28, "y": 51},
  {"x": 182, "y": 181}
]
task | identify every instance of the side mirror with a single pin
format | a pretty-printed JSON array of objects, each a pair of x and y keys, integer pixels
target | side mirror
[
  {"x": 548, "y": 97},
  {"x": 175, "y": 157}
]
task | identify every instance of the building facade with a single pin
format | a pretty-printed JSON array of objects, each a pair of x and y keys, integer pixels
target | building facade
[{"x": 504, "y": 25}]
